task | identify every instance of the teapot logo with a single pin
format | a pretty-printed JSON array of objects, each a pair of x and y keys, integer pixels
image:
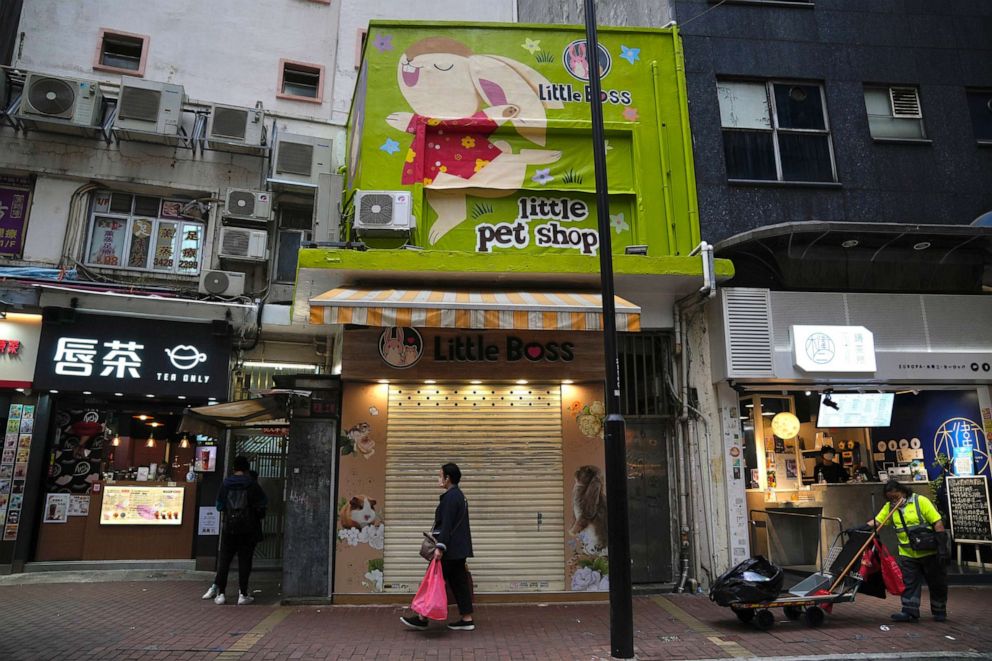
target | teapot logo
[{"x": 185, "y": 356}]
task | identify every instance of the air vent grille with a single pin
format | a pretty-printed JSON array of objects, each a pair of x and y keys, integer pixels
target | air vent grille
[
  {"x": 376, "y": 210},
  {"x": 51, "y": 96},
  {"x": 140, "y": 104},
  {"x": 241, "y": 203},
  {"x": 749, "y": 332},
  {"x": 235, "y": 242},
  {"x": 294, "y": 158},
  {"x": 230, "y": 123},
  {"x": 905, "y": 102}
]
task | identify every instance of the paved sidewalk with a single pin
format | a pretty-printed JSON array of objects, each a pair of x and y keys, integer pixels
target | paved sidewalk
[{"x": 162, "y": 617}]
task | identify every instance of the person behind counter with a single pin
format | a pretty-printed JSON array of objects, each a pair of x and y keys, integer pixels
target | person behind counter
[{"x": 828, "y": 471}]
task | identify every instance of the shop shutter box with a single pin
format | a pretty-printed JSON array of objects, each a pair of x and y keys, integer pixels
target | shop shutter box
[{"x": 507, "y": 441}]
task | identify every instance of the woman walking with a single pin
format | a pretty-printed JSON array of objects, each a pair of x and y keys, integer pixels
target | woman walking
[{"x": 454, "y": 544}]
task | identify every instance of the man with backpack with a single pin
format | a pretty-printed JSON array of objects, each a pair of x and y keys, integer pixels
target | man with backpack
[{"x": 242, "y": 504}]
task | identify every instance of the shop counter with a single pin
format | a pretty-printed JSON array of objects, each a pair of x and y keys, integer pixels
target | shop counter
[
  {"x": 799, "y": 541},
  {"x": 126, "y": 521}
]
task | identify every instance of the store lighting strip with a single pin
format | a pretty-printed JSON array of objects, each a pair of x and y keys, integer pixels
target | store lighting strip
[{"x": 282, "y": 366}]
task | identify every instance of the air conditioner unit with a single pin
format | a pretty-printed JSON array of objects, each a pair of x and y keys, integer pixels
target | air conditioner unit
[
  {"x": 243, "y": 244},
  {"x": 298, "y": 161},
  {"x": 235, "y": 129},
  {"x": 149, "y": 111},
  {"x": 63, "y": 105},
  {"x": 222, "y": 283},
  {"x": 248, "y": 204},
  {"x": 383, "y": 213}
]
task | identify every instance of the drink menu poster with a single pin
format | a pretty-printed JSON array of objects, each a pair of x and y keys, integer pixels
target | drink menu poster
[{"x": 142, "y": 506}]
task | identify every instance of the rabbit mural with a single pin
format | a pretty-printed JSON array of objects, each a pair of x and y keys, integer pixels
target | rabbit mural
[{"x": 459, "y": 98}]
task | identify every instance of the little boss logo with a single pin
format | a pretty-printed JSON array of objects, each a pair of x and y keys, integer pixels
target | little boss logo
[{"x": 468, "y": 348}]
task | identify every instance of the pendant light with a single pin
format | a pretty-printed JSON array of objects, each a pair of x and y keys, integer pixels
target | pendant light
[
  {"x": 184, "y": 441},
  {"x": 151, "y": 441}
]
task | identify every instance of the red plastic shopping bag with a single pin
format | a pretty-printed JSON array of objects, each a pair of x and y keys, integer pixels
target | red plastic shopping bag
[
  {"x": 431, "y": 600},
  {"x": 891, "y": 573}
]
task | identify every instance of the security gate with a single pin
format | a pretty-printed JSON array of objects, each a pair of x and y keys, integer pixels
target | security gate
[{"x": 266, "y": 449}]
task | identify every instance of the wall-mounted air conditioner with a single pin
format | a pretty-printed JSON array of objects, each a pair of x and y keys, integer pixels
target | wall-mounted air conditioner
[
  {"x": 222, "y": 283},
  {"x": 239, "y": 243},
  {"x": 235, "y": 129},
  {"x": 63, "y": 105},
  {"x": 149, "y": 111},
  {"x": 383, "y": 213},
  {"x": 248, "y": 204},
  {"x": 298, "y": 161}
]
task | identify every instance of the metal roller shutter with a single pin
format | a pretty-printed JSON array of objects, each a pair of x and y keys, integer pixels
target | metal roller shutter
[{"x": 507, "y": 442}]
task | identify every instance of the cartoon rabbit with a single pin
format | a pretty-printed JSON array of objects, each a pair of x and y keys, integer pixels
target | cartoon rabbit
[
  {"x": 392, "y": 347},
  {"x": 577, "y": 58},
  {"x": 467, "y": 97}
]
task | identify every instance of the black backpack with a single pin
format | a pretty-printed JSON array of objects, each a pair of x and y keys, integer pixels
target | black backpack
[{"x": 241, "y": 518}]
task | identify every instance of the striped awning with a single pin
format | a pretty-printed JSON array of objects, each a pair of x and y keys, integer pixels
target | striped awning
[{"x": 508, "y": 310}]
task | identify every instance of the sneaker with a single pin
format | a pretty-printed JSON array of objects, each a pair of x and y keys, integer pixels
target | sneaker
[
  {"x": 220, "y": 599},
  {"x": 211, "y": 593},
  {"x": 245, "y": 599},
  {"x": 462, "y": 625},
  {"x": 417, "y": 623},
  {"x": 903, "y": 616},
  {"x": 940, "y": 617}
]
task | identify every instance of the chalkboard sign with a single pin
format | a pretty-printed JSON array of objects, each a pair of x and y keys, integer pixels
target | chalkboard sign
[{"x": 971, "y": 516}]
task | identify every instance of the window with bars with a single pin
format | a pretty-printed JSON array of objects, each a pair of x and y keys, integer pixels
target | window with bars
[
  {"x": 143, "y": 233},
  {"x": 646, "y": 370},
  {"x": 775, "y": 131},
  {"x": 894, "y": 113}
]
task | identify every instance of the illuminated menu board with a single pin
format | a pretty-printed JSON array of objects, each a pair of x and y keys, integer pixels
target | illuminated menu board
[{"x": 142, "y": 506}]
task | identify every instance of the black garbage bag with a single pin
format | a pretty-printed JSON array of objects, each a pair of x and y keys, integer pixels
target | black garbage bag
[{"x": 755, "y": 579}]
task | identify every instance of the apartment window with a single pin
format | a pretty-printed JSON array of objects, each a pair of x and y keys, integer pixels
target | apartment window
[
  {"x": 300, "y": 81},
  {"x": 894, "y": 113},
  {"x": 980, "y": 105},
  {"x": 121, "y": 52},
  {"x": 143, "y": 233},
  {"x": 295, "y": 223},
  {"x": 775, "y": 131}
]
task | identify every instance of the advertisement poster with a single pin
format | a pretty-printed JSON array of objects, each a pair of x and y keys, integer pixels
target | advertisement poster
[
  {"x": 15, "y": 196},
  {"x": 488, "y": 127},
  {"x": 209, "y": 523},
  {"x": 206, "y": 459},
  {"x": 14, "y": 466},
  {"x": 56, "y": 508},
  {"x": 79, "y": 505},
  {"x": 133, "y": 505}
]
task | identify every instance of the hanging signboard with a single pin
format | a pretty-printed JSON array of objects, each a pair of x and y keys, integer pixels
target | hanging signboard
[{"x": 136, "y": 356}]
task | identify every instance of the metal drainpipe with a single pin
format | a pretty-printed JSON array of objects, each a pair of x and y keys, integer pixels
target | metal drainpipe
[{"x": 706, "y": 292}]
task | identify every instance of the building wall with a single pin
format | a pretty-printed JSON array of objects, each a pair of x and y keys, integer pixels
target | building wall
[
  {"x": 628, "y": 13},
  {"x": 941, "y": 47},
  {"x": 217, "y": 50}
]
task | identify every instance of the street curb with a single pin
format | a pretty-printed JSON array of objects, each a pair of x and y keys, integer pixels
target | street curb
[{"x": 902, "y": 656}]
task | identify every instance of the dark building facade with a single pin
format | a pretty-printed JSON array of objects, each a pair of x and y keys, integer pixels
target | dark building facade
[{"x": 839, "y": 110}]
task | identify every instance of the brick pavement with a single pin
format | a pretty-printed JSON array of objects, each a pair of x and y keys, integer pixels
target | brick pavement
[{"x": 165, "y": 619}]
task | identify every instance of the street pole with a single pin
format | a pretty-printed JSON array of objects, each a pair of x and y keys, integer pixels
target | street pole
[{"x": 621, "y": 605}]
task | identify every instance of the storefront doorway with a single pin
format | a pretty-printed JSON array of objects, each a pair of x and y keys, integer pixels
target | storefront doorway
[
  {"x": 266, "y": 449},
  {"x": 507, "y": 439}
]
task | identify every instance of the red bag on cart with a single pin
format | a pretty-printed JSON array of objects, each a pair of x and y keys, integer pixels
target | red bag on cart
[
  {"x": 431, "y": 600},
  {"x": 891, "y": 573}
]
